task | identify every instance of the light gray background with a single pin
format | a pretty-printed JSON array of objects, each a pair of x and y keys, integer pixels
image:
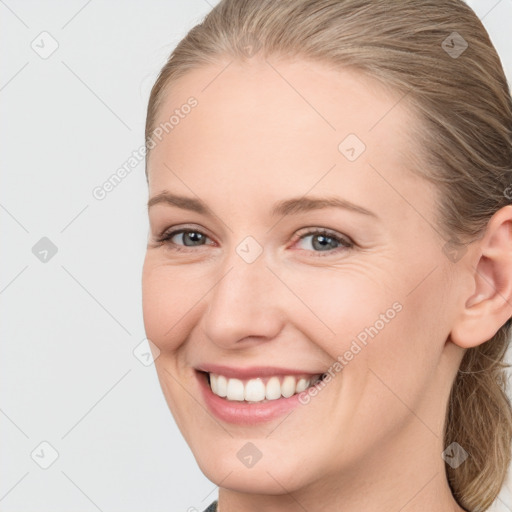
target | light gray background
[{"x": 68, "y": 374}]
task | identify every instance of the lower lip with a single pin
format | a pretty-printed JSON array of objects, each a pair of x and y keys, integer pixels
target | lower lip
[{"x": 244, "y": 413}]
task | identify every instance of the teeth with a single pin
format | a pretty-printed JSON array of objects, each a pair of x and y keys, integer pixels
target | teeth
[
  {"x": 222, "y": 385},
  {"x": 235, "y": 390},
  {"x": 255, "y": 390},
  {"x": 302, "y": 384},
  {"x": 273, "y": 391},
  {"x": 288, "y": 386}
]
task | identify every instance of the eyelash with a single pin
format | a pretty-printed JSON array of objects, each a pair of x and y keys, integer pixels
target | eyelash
[{"x": 344, "y": 241}]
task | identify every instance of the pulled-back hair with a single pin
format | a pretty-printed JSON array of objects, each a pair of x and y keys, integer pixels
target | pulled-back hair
[{"x": 462, "y": 99}]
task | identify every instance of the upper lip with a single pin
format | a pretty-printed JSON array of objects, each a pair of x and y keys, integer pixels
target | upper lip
[{"x": 252, "y": 371}]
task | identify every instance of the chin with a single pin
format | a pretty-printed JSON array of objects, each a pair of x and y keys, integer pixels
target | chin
[{"x": 269, "y": 477}]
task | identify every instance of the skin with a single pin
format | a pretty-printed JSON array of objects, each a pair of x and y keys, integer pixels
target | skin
[{"x": 372, "y": 439}]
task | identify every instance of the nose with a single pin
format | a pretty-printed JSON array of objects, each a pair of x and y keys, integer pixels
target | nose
[{"x": 245, "y": 306}]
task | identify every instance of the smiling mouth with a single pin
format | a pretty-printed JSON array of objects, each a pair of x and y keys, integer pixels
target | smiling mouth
[{"x": 260, "y": 389}]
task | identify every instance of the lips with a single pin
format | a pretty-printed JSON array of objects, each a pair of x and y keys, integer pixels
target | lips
[{"x": 255, "y": 394}]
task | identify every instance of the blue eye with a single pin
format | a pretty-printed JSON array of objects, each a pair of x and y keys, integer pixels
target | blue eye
[
  {"x": 324, "y": 241},
  {"x": 321, "y": 240}
]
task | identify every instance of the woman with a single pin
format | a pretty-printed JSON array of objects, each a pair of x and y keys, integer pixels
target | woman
[{"x": 328, "y": 276}]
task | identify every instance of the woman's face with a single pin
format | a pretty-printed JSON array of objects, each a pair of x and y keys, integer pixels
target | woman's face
[{"x": 303, "y": 244}]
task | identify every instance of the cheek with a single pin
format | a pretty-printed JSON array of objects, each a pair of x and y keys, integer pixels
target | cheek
[
  {"x": 402, "y": 355},
  {"x": 369, "y": 318},
  {"x": 338, "y": 306},
  {"x": 168, "y": 297}
]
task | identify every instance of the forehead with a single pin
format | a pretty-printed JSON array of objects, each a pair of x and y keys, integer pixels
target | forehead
[
  {"x": 268, "y": 126},
  {"x": 288, "y": 99}
]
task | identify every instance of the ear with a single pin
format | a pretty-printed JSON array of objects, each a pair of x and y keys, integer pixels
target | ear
[{"x": 490, "y": 305}]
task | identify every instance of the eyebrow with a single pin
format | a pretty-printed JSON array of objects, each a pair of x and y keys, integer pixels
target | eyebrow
[{"x": 283, "y": 208}]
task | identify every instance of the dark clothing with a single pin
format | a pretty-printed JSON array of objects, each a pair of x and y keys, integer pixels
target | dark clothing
[{"x": 212, "y": 507}]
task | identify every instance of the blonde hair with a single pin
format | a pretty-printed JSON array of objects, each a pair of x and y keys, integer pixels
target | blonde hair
[{"x": 463, "y": 102}]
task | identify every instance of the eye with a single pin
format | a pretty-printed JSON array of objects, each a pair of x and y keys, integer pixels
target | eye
[
  {"x": 182, "y": 239},
  {"x": 322, "y": 240}
]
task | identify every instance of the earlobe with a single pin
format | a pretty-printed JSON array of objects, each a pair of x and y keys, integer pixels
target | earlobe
[{"x": 490, "y": 305}]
